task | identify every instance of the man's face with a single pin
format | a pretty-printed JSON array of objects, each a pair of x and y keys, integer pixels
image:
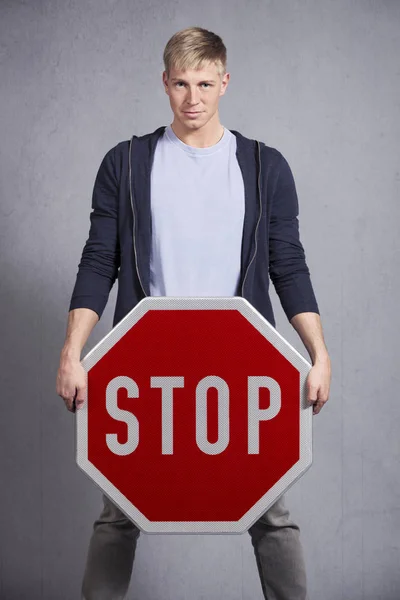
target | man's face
[{"x": 194, "y": 94}]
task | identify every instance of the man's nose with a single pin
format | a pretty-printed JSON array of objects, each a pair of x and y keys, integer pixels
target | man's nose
[{"x": 193, "y": 96}]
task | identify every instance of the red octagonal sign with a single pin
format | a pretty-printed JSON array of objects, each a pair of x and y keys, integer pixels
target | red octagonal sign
[{"x": 196, "y": 418}]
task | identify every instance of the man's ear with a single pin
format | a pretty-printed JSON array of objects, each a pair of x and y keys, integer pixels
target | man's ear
[
  {"x": 224, "y": 83},
  {"x": 165, "y": 81}
]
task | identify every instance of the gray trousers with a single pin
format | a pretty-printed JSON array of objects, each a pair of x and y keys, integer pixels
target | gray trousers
[{"x": 274, "y": 536}]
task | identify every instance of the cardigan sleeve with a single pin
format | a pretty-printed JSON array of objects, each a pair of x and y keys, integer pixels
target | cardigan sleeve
[
  {"x": 100, "y": 260},
  {"x": 288, "y": 269}
]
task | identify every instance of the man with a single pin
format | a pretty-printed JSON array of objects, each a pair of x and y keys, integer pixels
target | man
[{"x": 193, "y": 209}]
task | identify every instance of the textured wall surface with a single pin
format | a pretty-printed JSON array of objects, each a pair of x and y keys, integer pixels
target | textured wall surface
[{"x": 320, "y": 81}]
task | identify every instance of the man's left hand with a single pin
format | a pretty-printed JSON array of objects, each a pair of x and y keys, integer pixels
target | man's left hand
[{"x": 318, "y": 384}]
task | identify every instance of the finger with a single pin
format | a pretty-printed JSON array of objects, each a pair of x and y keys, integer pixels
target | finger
[
  {"x": 318, "y": 406},
  {"x": 312, "y": 393},
  {"x": 79, "y": 400},
  {"x": 74, "y": 403},
  {"x": 69, "y": 402},
  {"x": 313, "y": 399}
]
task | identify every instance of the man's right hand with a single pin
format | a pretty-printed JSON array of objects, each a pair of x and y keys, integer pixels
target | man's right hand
[{"x": 71, "y": 383}]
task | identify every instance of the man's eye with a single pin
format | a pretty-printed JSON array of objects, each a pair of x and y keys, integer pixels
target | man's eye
[{"x": 180, "y": 83}]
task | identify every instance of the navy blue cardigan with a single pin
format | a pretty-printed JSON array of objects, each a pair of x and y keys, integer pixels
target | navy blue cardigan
[{"x": 119, "y": 239}]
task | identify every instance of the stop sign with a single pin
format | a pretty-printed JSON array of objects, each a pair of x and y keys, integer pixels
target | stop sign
[{"x": 196, "y": 418}]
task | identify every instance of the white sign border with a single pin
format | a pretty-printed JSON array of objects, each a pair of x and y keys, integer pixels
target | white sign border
[{"x": 272, "y": 335}]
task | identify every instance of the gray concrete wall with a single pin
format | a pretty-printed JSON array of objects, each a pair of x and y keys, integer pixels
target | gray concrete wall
[{"x": 319, "y": 80}]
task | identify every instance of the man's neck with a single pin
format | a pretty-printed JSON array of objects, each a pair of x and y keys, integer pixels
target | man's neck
[{"x": 199, "y": 138}]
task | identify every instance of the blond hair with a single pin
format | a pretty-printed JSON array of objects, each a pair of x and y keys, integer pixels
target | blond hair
[{"x": 191, "y": 47}]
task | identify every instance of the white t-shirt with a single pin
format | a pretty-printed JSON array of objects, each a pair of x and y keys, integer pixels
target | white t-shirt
[{"x": 197, "y": 211}]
